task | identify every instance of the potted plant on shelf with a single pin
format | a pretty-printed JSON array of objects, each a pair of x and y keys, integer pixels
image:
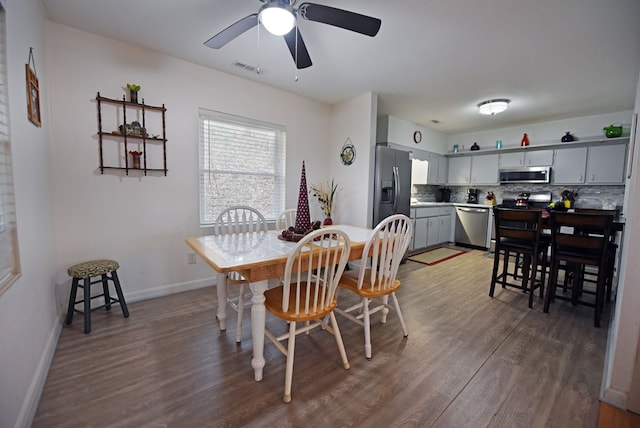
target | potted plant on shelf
[
  {"x": 326, "y": 194},
  {"x": 133, "y": 92}
]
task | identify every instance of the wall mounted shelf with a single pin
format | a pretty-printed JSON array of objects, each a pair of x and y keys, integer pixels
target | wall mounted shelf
[{"x": 127, "y": 137}]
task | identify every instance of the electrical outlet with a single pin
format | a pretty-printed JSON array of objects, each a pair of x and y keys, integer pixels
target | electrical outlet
[{"x": 191, "y": 258}]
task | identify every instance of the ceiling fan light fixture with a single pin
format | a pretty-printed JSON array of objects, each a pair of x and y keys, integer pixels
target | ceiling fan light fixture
[
  {"x": 493, "y": 107},
  {"x": 277, "y": 17}
]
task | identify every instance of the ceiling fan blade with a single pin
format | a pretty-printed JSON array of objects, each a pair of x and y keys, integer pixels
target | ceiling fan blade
[
  {"x": 340, "y": 18},
  {"x": 303, "y": 60},
  {"x": 232, "y": 31}
]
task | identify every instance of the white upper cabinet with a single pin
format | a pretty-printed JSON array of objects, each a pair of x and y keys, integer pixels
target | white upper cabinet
[
  {"x": 528, "y": 158},
  {"x": 569, "y": 165},
  {"x": 606, "y": 164},
  {"x": 484, "y": 169},
  {"x": 419, "y": 171},
  {"x": 437, "y": 169},
  {"x": 459, "y": 170}
]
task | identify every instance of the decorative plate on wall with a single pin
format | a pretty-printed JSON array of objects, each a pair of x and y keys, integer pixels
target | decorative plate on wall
[{"x": 348, "y": 153}]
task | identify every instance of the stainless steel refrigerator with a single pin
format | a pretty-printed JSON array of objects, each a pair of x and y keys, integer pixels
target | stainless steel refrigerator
[{"x": 392, "y": 187}]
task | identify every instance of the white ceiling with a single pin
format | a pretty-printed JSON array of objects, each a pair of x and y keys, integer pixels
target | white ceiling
[{"x": 431, "y": 60}]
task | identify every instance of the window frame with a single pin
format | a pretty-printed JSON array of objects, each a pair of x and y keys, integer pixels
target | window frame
[
  {"x": 210, "y": 122},
  {"x": 10, "y": 269}
]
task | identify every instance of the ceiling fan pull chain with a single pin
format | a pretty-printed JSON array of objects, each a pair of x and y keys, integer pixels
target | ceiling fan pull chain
[
  {"x": 258, "y": 53},
  {"x": 295, "y": 77}
]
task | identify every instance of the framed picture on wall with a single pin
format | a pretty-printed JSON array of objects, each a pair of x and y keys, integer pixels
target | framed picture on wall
[{"x": 33, "y": 96}]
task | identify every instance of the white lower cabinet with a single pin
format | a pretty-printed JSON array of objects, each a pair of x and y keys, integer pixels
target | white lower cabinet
[
  {"x": 432, "y": 226},
  {"x": 420, "y": 233},
  {"x": 444, "y": 234},
  {"x": 433, "y": 231}
]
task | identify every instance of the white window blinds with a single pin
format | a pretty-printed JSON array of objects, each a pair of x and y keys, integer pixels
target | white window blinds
[
  {"x": 242, "y": 162},
  {"x": 9, "y": 266}
]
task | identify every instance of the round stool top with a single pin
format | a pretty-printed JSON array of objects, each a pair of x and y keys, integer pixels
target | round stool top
[{"x": 92, "y": 268}]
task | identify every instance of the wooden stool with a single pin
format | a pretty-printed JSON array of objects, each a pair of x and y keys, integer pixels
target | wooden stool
[{"x": 86, "y": 271}]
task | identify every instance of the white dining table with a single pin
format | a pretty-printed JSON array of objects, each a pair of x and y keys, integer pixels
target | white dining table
[{"x": 259, "y": 257}]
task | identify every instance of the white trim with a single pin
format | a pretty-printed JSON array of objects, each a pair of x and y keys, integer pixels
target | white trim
[
  {"x": 166, "y": 290},
  {"x": 32, "y": 398}
]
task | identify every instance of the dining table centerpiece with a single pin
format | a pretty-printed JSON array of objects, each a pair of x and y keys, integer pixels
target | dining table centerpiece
[{"x": 325, "y": 193}]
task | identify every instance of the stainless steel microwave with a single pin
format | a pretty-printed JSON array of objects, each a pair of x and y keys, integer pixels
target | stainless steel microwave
[{"x": 539, "y": 174}]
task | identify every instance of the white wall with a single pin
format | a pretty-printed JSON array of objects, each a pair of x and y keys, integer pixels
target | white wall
[
  {"x": 354, "y": 120},
  {"x": 29, "y": 324},
  {"x": 625, "y": 332},
  {"x": 142, "y": 221},
  {"x": 394, "y": 130}
]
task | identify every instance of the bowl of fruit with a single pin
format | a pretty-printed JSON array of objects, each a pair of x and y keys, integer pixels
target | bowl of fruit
[{"x": 294, "y": 234}]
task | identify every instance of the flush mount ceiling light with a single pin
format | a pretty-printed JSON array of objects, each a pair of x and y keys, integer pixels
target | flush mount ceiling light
[
  {"x": 492, "y": 107},
  {"x": 277, "y": 17}
]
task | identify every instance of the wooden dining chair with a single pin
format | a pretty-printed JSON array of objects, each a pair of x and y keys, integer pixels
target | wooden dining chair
[
  {"x": 308, "y": 293},
  {"x": 375, "y": 279},
  {"x": 286, "y": 219},
  {"x": 612, "y": 248},
  {"x": 588, "y": 247},
  {"x": 232, "y": 220},
  {"x": 519, "y": 235}
]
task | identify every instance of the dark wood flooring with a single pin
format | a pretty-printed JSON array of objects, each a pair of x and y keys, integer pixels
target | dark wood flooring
[{"x": 469, "y": 361}]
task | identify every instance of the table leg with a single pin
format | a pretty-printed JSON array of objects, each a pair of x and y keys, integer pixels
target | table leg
[
  {"x": 221, "y": 288},
  {"x": 258, "y": 319}
]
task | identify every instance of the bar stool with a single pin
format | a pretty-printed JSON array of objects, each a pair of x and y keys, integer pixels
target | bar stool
[
  {"x": 518, "y": 234},
  {"x": 579, "y": 240},
  {"x": 106, "y": 271}
]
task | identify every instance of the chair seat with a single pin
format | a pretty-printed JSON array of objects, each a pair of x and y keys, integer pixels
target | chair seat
[
  {"x": 83, "y": 274},
  {"x": 584, "y": 254},
  {"x": 92, "y": 268},
  {"x": 518, "y": 244},
  {"x": 349, "y": 281},
  {"x": 273, "y": 303}
]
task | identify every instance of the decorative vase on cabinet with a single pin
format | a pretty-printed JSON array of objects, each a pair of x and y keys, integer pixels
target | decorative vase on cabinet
[{"x": 567, "y": 137}]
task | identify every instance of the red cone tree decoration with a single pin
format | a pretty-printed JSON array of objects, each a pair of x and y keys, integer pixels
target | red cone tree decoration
[{"x": 303, "y": 218}]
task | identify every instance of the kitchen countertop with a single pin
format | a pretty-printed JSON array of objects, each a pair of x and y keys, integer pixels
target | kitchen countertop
[{"x": 444, "y": 204}]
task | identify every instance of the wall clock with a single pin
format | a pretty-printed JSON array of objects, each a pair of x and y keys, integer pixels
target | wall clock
[{"x": 417, "y": 137}]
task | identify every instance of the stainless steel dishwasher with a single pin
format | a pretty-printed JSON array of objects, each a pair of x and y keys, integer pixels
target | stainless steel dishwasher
[{"x": 471, "y": 226}]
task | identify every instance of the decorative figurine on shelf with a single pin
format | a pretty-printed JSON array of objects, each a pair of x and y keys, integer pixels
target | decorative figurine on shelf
[
  {"x": 525, "y": 140},
  {"x": 567, "y": 137},
  {"x": 135, "y": 155},
  {"x": 133, "y": 92},
  {"x": 613, "y": 131},
  {"x": 474, "y": 147}
]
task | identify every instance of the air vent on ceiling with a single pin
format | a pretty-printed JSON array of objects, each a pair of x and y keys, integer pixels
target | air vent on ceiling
[{"x": 249, "y": 68}]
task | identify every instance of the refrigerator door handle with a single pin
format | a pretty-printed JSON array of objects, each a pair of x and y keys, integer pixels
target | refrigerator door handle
[{"x": 396, "y": 190}]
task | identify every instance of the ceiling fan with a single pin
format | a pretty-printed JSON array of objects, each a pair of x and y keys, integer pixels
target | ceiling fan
[{"x": 279, "y": 18}]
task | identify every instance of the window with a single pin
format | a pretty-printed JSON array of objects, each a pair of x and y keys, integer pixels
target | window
[
  {"x": 242, "y": 162},
  {"x": 9, "y": 265}
]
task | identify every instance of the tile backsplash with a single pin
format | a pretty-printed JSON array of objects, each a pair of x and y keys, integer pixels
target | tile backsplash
[{"x": 588, "y": 196}]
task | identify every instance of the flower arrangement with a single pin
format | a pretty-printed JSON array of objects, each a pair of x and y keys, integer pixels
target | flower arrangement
[
  {"x": 135, "y": 153},
  {"x": 491, "y": 198},
  {"x": 325, "y": 192}
]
